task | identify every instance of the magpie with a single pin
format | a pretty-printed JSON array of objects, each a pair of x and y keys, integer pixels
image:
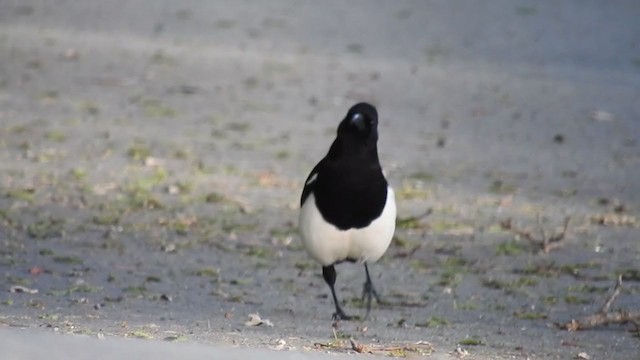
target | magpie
[{"x": 347, "y": 208}]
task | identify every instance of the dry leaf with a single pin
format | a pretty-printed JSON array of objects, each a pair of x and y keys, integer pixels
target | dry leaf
[
  {"x": 36, "y": 270},
  {"x": 256, "y": 320},
  {"x": 615, "y": 220},
  {"x": 102, "y": 189},
  {"x": 150, "y": 161},
  {"x": 460, "y": 352},
  {"x": 278, "y": 344},
  {"x": 599, "y": 115},
  {"x": 22, "y": 289}
]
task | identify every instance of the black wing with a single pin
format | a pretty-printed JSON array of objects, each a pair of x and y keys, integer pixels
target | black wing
[{"x": 309, "y": 184}]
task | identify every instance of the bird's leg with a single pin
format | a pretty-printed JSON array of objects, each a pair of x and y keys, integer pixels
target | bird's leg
[
  {"x": 329, "y": 274},
  {"x": 369, "y": 291}
]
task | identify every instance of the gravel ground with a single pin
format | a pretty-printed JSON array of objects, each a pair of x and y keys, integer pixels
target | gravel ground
[{"x": 152, "y": 154}]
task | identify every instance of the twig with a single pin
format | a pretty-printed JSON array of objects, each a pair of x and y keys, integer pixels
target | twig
[
  {"x": 554, "y": 241},
  {"x": 542, "y": 232},
  {"x": 604, "y": 317},
  {"x": 420, "y": 347},
  {"x": 616, "y": 291},
  {"x": 545, "y": 243},
  {"x": 333, "y": 328},
  {"x": 508, "y": 225},
  {"x": 359, "y": 348}
]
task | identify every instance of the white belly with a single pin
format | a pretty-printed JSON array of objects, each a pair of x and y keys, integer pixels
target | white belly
[{"x": 327, "y": 244}]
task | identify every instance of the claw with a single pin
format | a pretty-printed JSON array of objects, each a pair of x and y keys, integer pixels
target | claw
[
  {"x": 341, "y": 316},
  {"x": 368, "y": 291}
]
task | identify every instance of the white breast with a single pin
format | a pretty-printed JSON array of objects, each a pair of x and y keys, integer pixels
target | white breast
[{"x": 327, "y": 244}]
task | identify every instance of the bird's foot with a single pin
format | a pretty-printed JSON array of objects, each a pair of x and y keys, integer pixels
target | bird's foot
[
  {"x": 340, "y": 315},
  {"x": 368, "y": 292}
]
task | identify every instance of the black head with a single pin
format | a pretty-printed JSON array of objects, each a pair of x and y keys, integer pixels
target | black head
[{"x": 360, "y": 124}]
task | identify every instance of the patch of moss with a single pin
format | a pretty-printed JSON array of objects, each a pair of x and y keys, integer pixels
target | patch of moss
[
  {"x": 78, "y": 174},
  {"x": 586, "y": 288},
  {"x": 433, "y": 322},
  {"x": 89, "y": 107},
  {"x": 510, "y": 248},
  {"x": 48, "y": 227},
  {"x": 206, "y": 272},
  {"x": 107, "y": 218},
  {"x": 161, "y": 58},
  {"x": 410, "y": 222},
  {"x": 413, "y": 192},
  {"x": 139, "y": 334},
  {"x": 630, "y": 274},
  {"x": 530, "y": 315},
  {"x": 467, "y": 305},
  {"x": 260, "y": 252},
  {"x": 472, "y": 341},
  {"x": 214, "y": 197},
  {"x": 67, "y": 259},
  {"x": 573, "y": 299},
  {"x": 137, "y": 291},
  {"x": 502, "y": 188},
  {"x": 422, "y": 176},
  {"x": 45, "y": 252},
  {"x": 27, "y": 195},
  {"x": 154, "y": 108},
  {"x": 55, "y": 135},
  {"x": 139, "y": 150}
]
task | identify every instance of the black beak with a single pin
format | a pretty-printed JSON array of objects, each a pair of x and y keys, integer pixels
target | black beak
[{"x": 359, "y": 122}]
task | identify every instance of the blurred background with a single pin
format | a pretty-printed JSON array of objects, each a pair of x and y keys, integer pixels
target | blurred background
[{"x": 152, "y": 154}]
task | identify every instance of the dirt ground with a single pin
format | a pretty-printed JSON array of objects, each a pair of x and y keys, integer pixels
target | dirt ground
[{"x": 152, "y": 154}]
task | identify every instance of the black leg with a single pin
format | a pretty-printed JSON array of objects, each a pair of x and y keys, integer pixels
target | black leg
[
  {"x": 329, "y": 274},
  {"x": 369, "y": 291}
]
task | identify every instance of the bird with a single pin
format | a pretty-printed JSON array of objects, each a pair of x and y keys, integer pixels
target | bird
[{"x": 347, "y": 207}]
